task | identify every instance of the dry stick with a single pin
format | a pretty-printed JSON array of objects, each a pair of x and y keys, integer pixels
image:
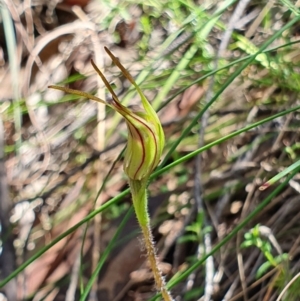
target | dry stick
[
  {"x": 29, "y": 23},
  {"x": 71, "y": 291},
  {"x": 236, "y": 16},
  {"x": 249, "y": 155},
  {"x": 98, "y": 53},
  {"x": 233, "y": 286},
  {"x": 259, "y": 19},
  {"x": 240, "y": 260},
  {"x": 261, "y": 280}
]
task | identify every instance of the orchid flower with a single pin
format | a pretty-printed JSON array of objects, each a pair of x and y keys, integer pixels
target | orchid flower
[
  {"x": 145, "y": 134},
  {"x": 144, "y": 148}
]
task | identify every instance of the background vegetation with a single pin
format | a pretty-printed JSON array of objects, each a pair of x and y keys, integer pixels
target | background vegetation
[{"x": 224, "y": 201}]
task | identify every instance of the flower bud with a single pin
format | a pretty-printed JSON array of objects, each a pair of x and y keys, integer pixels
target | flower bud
[
  {"x": 145, "y": 134},
  {"x": 144, "y": 146}
]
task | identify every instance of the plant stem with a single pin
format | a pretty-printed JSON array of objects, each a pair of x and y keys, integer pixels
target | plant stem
[{"x": 140, "y": 201}]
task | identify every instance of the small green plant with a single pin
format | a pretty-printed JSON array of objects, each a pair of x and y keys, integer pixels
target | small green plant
[
  {"x": 256, "y": 238},
  {"x": 144, "y": 149},
  {"x": 262, "y": 238},
  {"x": 195, "y": 231}
]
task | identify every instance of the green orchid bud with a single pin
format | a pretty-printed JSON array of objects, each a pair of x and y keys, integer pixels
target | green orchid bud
[
  {"x": 145, "y": 134},
  {"x": 144, "y": 146},
  {"x": 145, "y": 138}
]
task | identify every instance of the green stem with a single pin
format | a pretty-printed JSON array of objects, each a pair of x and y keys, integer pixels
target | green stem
[{"x": 140, "y": 201}]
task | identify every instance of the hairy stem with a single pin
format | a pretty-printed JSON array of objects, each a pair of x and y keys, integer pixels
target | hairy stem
[{"x": 139, "y": 197}]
